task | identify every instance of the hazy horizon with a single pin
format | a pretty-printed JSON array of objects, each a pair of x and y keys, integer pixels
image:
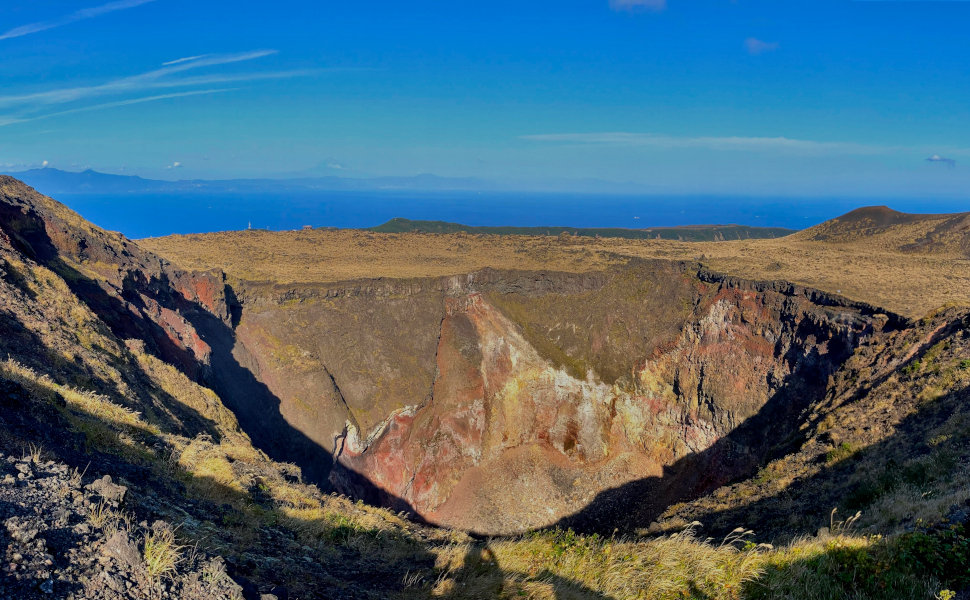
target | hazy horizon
[
  {"x": 152, "y": 208},
  {"x": 153, "y": 215}
]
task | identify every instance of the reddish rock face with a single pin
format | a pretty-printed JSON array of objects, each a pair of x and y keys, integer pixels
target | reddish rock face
[
  {"x": 508, "y": 440},
  {"x": 492, "y": 401},
  {"x": 207, "y": 290},
  {"x": 133, "y": 291},
  {"x": 178, "y": 331}
]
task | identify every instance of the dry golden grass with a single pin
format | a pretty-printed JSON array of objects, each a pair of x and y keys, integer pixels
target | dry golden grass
[
  {"x": 185, "y": 391},
  {"x": 95, "y": 406},
  {"x": 101, "y": 515},
  {"x": 559, "y": 565},
  {"x": 548, "y": 564},
  {"x": 209, "y": 471},
  {"x": 909, "y": 284},
  {"x": 327, "y": 255},
  {"x": 161, "y": 553},
  {"x": 871, "y": 269}
]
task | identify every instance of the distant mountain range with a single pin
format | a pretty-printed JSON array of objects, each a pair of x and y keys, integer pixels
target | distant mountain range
[
  {"x": 689, "y": 233},
  {"x": 53, "y": 181}
]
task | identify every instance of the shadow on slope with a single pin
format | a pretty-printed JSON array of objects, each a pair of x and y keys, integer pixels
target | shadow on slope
[
  {"x": 772, "y": 432},
  {"x": 350, "y": 552},
  {"x": 891, "y": 481},
  {"x": 276, "y": 533},
  {"x": 914, "y": 483},
  {"x": 256, "y": 407},
  {"x": 481, "y": 576},
  {"x": 29, "y": 237},
  {"x": 895, "y": 446}
]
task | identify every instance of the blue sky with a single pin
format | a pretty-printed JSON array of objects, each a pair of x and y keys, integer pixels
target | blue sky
[{"x": 684, "y": 96}]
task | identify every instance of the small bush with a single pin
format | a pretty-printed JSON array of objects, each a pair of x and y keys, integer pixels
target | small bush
[
  {"x": 34, "y": 452},
  {"x": 839, "y": 453},
  {"x": 943, "y": 553},
  {"x": 913, "y": 367}
]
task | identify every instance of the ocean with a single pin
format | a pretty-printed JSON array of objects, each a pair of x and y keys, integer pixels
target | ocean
[{"x": 150, "y": 215}]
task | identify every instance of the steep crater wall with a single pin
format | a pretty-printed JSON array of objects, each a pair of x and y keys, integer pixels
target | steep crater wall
[
  {"x": 495, "y": 401},
  {"x": 502, "y": 401}
]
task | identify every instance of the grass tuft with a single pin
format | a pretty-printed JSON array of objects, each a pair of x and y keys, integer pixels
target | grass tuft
[{"x": 161, "y": 553}]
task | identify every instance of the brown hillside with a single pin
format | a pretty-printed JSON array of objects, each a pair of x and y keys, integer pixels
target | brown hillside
[
  {"x": 946, "y": 234},
  {"x": 890, "y": 438},
  {"x": 912, "y": 267},
  {"x": 105, "y": 348},
  {"x": 865, "y": 220}
]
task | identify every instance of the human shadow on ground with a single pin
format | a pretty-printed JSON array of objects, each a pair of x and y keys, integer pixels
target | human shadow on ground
[{"x": 482, "y": 577}]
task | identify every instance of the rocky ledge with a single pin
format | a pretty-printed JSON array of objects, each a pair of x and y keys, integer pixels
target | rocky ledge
[{"x": 62, "y": 538}]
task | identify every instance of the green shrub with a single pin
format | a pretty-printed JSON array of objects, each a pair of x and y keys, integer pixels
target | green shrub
[
  {"x": 839, "y": 453},
  {"x": 912, "y": 367},
  {"x": 943, "y": 553}
]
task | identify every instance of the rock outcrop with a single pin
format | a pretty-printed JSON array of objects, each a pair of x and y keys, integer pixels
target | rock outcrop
[
  {"x": 66, "y": 540},
  {"x": 138, "y": 295},
  {"x": 503, "y": 401},
  {"x": 495, "y": 401}
]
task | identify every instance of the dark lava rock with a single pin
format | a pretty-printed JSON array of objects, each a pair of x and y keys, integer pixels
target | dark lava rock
[{"x": 109, "y": 491}]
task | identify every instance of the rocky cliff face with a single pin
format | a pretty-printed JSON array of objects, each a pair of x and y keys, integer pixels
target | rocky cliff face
[
  {"x": 495, "y": 401},
  {"x": 138, "y": 295},
  {"x": 91, "y": 332},
  {"x": 503, "y": 401}
]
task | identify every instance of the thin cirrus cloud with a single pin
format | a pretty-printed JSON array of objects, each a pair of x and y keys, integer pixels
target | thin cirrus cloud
[
  {"x": 186, "y": 59},
  {"x": 79, "y": 15},
  {"x": 754, "y": 46},
  {"x": 157, "y": 78},
  {"x": 132, "y": 101},
  {"x": 117, "y": 104},
  {"x": 735, "y": 143},
  {"x": 30, "y": 107},
  {"x": 635, "y": 5}
]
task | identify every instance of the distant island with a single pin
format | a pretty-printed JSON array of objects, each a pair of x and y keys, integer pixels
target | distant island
[
  {"x": 686, "y": 233},
  {"x": 53, "y": 181}
]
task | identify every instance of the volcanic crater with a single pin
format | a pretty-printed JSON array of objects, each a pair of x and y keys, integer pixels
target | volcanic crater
[{"x": 494, "y": 401}]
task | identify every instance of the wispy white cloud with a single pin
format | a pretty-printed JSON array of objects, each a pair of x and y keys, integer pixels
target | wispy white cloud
[
  {"x": 736, "y": 143},
  {"x": 150, "y": 79},
  {"x": 186, "y": 59},
  {"x": 20, "y": 108},
  {"x": 237, "y": 78},
  {"x": 634, "y": 5},
  {"x": 754, "y": 46},
  {"x": 79, "y": 15},
  {"x": 117, "y": 104}
]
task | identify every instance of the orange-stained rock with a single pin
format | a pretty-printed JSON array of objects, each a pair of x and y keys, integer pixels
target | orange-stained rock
[
  {"x": 506, "y": 429},
  {"x": 494, "y": 401}
]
